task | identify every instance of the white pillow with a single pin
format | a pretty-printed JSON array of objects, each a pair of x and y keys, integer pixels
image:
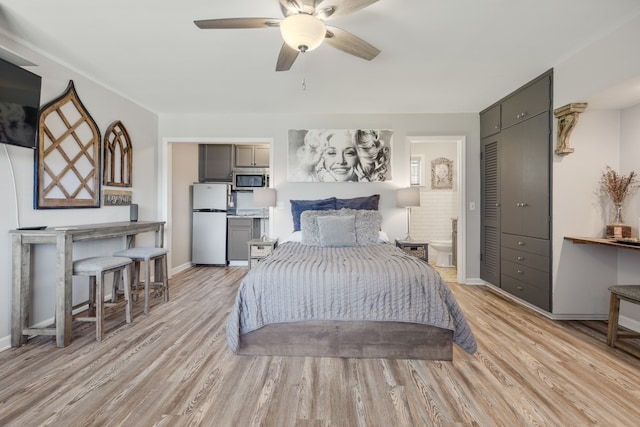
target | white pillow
[
  {"x": 337, "y": 231},
  {"x": 296, "y": 237}
]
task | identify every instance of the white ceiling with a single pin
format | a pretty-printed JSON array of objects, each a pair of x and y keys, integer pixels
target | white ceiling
[{"x": 437, "y": 55}]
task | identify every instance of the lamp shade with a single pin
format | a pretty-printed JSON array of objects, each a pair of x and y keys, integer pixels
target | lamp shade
[
  {"x": 264, "y": 197},
  {"x": 302, "y": 32},
  {"x": 407, "y": 197}
]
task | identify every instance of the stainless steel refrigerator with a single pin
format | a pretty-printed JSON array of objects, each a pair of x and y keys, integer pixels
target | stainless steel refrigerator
[{"x": 209, "y": 231}]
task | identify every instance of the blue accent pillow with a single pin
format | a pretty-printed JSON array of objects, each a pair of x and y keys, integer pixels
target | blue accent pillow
[
  {"x": 369, "y": 203},
  {"x": 299, "y": 206}
]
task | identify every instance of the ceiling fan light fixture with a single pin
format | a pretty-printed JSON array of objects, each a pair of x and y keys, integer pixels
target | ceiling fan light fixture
[{"x": 302, "y": 31}]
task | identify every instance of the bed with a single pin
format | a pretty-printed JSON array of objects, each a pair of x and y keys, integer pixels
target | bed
[{"x": 340, "y": 289}]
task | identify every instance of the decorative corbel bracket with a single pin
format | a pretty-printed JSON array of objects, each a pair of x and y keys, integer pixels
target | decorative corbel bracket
[{"x": 567, "y": 119}]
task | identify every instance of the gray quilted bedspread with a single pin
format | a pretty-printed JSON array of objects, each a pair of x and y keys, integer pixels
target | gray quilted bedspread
[{"x": 377, "y": 282}]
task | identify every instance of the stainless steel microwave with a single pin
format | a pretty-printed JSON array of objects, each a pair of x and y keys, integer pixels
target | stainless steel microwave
[{"x": 248, "y": 179}]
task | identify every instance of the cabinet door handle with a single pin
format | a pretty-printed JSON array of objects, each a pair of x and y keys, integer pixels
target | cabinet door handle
[
  {"x": 524, "y": 205},
  {"x": 520, "y": 272},
  {"x": 520, "y": 258},
  {"x": 520, "y": 243},
  {"x": 520, "y": 288}
]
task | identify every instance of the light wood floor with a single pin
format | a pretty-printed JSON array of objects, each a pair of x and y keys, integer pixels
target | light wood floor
[{"x": 172, "y": 368}]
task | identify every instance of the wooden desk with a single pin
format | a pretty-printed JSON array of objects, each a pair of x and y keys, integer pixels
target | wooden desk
[
  {"x": 601, "y": 241},
  {"x": 63, "y": 238}
]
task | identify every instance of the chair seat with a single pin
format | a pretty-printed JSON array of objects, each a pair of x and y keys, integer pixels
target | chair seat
[
  {"x": 98, "y": 264},
  {"x": 142, "y": 258},
  {"x": 97, "y": 268},
  {"x": 627, "y": 291},
  {"x": 630, "y": 293},
  {"x": 141, "y": 253}
]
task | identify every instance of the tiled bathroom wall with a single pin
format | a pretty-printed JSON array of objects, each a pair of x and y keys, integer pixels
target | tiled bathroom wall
[{"x": 432, "y": 220}]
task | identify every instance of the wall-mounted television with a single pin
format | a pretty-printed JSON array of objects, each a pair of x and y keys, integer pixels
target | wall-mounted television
[{"x": 19, "y": 105}]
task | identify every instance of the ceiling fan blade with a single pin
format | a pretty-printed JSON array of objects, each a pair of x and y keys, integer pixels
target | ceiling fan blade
[
  {"x": 226, "y": 23},
  {"x": 341, "y": 8},
  {"x": 286, "y": 58},
  {"x": 289, "y": 7},
  {"x": 351, "y": 44}
]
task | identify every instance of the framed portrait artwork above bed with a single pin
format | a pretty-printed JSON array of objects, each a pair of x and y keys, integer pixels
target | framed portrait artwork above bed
[{"x": 339, "y": 155}]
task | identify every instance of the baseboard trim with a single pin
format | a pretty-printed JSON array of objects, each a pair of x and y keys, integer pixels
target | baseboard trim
[{"x": 180, "y": 268}]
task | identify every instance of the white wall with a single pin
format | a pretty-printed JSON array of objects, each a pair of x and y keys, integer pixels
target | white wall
[
  {"x": 176, "y": 128},
  {"x": 582, "y": 273},
  {"x": 105, "y": 107}
]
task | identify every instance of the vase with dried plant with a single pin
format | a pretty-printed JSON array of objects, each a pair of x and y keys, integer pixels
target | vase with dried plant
[{"x": 618, "y": 187}]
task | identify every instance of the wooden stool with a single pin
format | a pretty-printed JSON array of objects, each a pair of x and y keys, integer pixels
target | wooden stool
[
  {"x": 96, "y": 268},
  {"x": 630, "y": 293},
  {"x": 146, "y": 255}
]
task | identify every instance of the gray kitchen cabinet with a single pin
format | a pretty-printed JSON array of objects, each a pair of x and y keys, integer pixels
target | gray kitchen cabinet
[
  {"x": 516, "y": 193},
  {"x": 248, "y": 156},
  {"x": 239, "y": 232},
  {"x": 215, "y": 162}
]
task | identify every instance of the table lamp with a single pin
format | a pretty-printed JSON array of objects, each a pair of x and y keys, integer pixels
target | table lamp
[
  {"x": 264, "y": 198},
  {"x": 406, "y": 198}
]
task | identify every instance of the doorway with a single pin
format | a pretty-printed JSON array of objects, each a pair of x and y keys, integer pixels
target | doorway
[
  {"x": 178, "y": 166},
  {"x": 437, "y": 169}
]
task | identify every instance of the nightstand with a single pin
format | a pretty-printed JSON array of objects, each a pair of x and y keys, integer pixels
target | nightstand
[
  {"x": 417, "y": 249},
  {"x": 259, "y": 249}
]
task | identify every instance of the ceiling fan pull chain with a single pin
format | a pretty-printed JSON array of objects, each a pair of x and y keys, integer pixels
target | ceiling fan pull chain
[{"x": 303, "y": 70}]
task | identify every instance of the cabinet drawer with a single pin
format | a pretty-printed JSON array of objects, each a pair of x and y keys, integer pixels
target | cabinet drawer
[
  {"x": 528, "y": 259},
  {"x": 534, "y": 294},
  {"x": 526, "y": 274},
  {"x": 253, "y": 262},
  {"x": 527, "y": 102},
  {"x": 260, "y": 250},
  {"x": 526, "y": 244},
  {"x": 490, "y": 121}
]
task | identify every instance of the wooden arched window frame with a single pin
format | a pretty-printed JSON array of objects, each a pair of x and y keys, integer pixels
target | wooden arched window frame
[
  {"x": 118, "y": 156},
  {"x": 68, "y": 155}
]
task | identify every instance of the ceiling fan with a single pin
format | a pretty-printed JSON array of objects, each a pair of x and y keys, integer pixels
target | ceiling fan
[{"x": 303, "y": 28}]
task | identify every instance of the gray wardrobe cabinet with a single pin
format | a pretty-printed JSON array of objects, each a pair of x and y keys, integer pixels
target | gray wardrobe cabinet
[
  {"x": 490, "y": 121},
  {"x": 524, "y": 179},
  {"x": 516, "y": 192}
]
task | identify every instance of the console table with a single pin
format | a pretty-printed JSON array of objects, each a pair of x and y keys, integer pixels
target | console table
[{"x": 63, "y": 238}]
